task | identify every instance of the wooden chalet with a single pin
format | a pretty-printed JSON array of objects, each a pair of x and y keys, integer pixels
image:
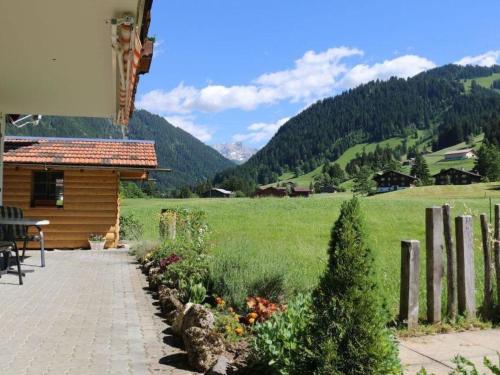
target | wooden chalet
[
  {"x": 71, "y": 58},
  {"x": 300, "y": 192},
  {"x": 393, "y": 180},
  {"x": 455, "y": 176},
  {"x": 328, "y": 189},
  {"x": 73, "y": 183},
  {"x": 217, "y": 193},
  {"x": 271, "y": 191}
]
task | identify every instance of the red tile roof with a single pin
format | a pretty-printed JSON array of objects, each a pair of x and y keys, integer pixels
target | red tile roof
[{"x": 78, "y": 151}]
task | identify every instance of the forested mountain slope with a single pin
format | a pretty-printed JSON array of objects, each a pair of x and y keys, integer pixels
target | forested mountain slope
[
  {"x": 191, "y": 161},
  {"x": 435, "y": 100}
]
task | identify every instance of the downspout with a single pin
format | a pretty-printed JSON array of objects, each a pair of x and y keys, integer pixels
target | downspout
[{"x": 2, "y": 140}]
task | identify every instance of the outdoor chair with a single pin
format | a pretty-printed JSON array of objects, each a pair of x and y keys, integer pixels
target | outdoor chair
[
  {"x": 6, "y": 258},
  {"x": 16, "y": 232}
]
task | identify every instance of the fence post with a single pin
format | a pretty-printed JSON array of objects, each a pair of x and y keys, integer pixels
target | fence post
[
  {"x": 496, "y": 225},
  {"x": 465, "y": 263},
  {"x": 410, "y": 272},
  {"x": 451, "y": 263},
  {"x": 488, "y": 286},
  {"x": 434, "y": 257},
  {"x": 497, "y": 266}
]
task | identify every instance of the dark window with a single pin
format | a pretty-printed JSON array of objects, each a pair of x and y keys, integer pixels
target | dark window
[{"x": 48, "y": 189}]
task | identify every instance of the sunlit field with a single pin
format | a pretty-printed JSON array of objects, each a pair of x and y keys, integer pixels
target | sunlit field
[{"x": 289, "y": 236}]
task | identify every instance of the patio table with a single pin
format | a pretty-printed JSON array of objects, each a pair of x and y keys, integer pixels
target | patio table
[{"x": 37, "y": 223}]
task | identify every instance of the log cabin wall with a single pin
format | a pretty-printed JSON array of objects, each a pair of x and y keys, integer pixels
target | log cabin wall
[{"x": 91, "y": 205}]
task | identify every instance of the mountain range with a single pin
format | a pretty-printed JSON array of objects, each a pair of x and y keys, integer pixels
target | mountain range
[
  {"x": 236, "y": 152},
  {"x": 191, "y": 160},
  {"x": 447, "y": 102}
]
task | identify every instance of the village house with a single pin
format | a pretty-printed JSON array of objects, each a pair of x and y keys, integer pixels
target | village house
[
  {"x": 74, "y": 183},
  {"x": 393, "y": 180},
  {"x": 271, "y": 191},
  {"x": 455, "y": 176},
  {"x": 329, "y": 189},
  {"x": 466, "y": 153},
  {"x": 300, "y": 192},
  {"x": 217, "y": 193}
]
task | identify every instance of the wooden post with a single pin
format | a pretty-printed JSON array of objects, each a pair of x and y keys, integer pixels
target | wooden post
[
  {"x": 410, "y": 271},
  {"x": 488, "y": 286},
  {"x": 465, "y": 266},
  {"x": 497, "y": 267},
  {"x": 434, "y": 257},
  {"x": 451, "y": 263},
  {"x": 497, "y": 223}
]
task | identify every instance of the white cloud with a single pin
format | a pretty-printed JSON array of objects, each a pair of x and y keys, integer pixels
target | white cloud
[
  {"x": 314, "y": 76},
  {"x": 404, "y": 66},
  {"x": 260, "y": 131},
  {"x": 158, "y": 48},
  {"x": 187, "y": 123},
  {"x": 486, "y": 59}
]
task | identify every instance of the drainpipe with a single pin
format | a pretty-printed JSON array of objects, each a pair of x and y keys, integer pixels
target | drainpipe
[{"x": 2, "y": 139}]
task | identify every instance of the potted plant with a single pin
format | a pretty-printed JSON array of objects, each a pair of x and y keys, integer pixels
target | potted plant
[{"x": 97, "y": 241}]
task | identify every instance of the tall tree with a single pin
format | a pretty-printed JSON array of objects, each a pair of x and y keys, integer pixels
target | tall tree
[
  {"x": 348, "y": 329},
  {"x": 363, "y": 183},
  {"x": 488, "y": 162},
  {"x": 420, "y": 170}
]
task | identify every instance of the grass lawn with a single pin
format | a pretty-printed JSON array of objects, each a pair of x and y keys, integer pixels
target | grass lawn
[
  {"x": 481, "y": 81},
  {"x": 269, "y": 236}
]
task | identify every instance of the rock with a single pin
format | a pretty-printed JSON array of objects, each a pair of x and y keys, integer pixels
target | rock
[
  {"x": 177, "y": 324},
  {"x": 198, "y": 316},
  {"x": 147, "y": 266},
  {"x": 154, "y": 278},
  {"x": 203, "y": 347},
  {"x": 221, "y": 366},
  {"x": 169, "y": 303}
]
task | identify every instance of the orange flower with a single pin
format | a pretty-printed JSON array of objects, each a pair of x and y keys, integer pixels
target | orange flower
[
  {"x": 239, "y": 331},
  {"x": 252, "y": 315},
  {"x": 251, "y": 321}
]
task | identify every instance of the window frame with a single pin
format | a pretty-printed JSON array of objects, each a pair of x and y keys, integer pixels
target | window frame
[{"x": 45, "y": 201}]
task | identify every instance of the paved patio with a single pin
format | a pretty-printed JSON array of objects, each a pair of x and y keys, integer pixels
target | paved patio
[
  {"x": 85, "y": 313},
  {"x": 436, "y": 352}
]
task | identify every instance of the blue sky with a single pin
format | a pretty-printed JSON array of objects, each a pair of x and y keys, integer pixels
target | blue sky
[{"x": 227, "y": 70}]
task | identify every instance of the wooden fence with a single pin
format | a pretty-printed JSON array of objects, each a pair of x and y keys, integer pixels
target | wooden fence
[{"x": 457, "y": 256}]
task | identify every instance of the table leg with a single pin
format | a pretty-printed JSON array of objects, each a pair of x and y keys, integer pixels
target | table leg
[{"x": 42, "y": 245}]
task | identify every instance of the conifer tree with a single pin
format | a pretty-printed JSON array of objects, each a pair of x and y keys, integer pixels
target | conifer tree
[
  {"x": 348, "y": 332},
  {"x": 420, "y": 170}
]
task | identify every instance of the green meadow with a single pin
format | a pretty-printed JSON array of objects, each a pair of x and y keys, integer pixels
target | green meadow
[{"x": 265, "y": 237}]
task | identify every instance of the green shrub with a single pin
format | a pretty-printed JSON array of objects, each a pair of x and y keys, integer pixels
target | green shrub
[
  {"x": 235, "y": 276},
  {"x": 196, "y": 292},
  {"x": 348, "y": 330},
  {"x": 279, "y": 342},
  {"x": 142, "y": 248},
  {"x": 182, "y": 224},
  {"x": 271, "y": 287},
  {"x": 131, "y": 228},
  {"x": 191, "y": 270}
]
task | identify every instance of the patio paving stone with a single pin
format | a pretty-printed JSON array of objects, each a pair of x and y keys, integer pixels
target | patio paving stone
[{"x": 87, "y": 312}]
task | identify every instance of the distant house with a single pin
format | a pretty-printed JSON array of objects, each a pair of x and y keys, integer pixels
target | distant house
[
  {"x": 455, "y": 176},
  {"x": 217, "y": 193},
  {"x": 466, "y": 153},
  {"x": 271, "y": 191},
  {"x": 393, "y": 180},
  {"x": 300, "y": 192},
  {"x": 409, "y": 162},
  {"x": 329, "y": 189}
]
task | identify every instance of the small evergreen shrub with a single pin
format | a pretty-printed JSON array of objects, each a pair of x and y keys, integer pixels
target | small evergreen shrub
[
  {"x": 131, "y": 228},
  {"x": 348, "y": 329}
]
